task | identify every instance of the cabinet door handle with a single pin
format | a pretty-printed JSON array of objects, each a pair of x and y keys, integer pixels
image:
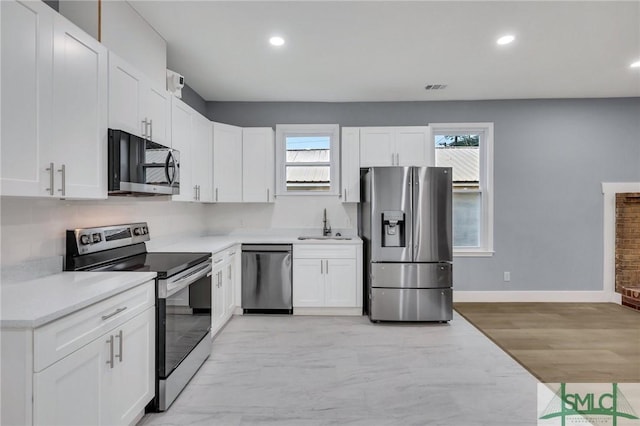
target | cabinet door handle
[
  {"x": 217, "y": 261},
  {"x": 63, "y": 171},
  {"x": 229, "y": 272},
  {"x": 393, "y": 159},
  {"x": 51, "y": 170},
  {"x": 345, "y": 194},
  {"x": 268, "y": 196},
  {"x": 120, "y": 344},
  {"x": 198, "y": 192},
  {"x": 195, "y": 192},
  {"x": 144, "y": 128},
  {"x": 397, "y": 159},
  {"x": 110, "y": 360},
  {"x": 150, "y": 129},
  {"x": 216, "y": 194},
  {"x": 327, "y": 267},
  {"x": 321, "y": 267},
  {"x": 116, "y": 312}
]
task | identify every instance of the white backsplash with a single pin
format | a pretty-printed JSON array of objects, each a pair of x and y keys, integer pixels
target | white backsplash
[
  {"x": 288, "y": 212},
  {"x": 35, "y": 228}
]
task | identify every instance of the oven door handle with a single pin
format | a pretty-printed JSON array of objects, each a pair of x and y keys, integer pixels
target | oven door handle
[{"x": 172, "y": 287}]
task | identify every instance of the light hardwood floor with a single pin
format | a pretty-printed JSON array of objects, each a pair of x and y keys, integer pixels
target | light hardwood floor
[{"x": 564, "y": 342}]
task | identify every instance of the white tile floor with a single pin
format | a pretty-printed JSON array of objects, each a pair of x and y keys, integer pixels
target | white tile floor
[{"x": 283, "y": 370}]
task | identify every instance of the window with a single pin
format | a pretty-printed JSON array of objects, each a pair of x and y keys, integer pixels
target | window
[
  {"x": 468, "y": 149},
  {"x": 307, "y": 159}
]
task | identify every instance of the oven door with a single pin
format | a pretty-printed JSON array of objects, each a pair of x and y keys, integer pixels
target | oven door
[{"x": 184, "y": 316}]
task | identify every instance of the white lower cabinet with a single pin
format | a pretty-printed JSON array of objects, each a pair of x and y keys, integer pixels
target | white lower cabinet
[
  {"x": 326, "y": 276},
  {"x": 107, "y": 382},
  {"x": 95, "y": 366},
  {"x": 225, "y": 279}
]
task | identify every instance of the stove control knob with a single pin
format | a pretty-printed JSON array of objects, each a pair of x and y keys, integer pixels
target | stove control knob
[
  {"x": 85, "y": 239},
  {"x": 145, "y": 231},
  {"x": 97, "y": 238},
  {"x": 137, "y": 231}
]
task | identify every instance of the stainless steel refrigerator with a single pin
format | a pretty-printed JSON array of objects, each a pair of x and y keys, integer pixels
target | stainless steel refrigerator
[{"x": 406, "y": 225}]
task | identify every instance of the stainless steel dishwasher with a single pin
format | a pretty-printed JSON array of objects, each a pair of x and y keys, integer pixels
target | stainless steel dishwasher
[{"x": 266, "y": 278}]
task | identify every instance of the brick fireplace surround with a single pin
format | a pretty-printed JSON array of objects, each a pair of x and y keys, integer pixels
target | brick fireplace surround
[{"x": 628, "y": 248}]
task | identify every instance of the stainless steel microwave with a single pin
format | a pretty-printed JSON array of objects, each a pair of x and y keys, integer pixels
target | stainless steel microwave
[{"x": 139, "y": 166}]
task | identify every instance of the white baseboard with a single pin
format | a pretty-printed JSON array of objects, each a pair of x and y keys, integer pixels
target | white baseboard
[
  {"x": 535, "y": 296},
  {"x": 328, "y": 311}
]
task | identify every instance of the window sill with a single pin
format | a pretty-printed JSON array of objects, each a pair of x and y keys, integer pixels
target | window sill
[{"x": 473, "y": 253}]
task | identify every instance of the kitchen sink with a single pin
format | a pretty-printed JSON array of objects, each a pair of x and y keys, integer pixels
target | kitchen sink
[{"x": 327, "y": 237}]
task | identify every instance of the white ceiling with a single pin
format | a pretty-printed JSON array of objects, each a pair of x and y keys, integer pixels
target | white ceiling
[{"x": 347, "y": 51}]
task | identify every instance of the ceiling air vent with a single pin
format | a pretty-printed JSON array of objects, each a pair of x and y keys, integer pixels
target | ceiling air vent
[{"x": 435, "y": 86}]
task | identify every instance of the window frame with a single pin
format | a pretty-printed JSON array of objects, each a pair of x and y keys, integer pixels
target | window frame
[
  {"x": 485, "y": 130},
  {"x": 284, "y": 130}
]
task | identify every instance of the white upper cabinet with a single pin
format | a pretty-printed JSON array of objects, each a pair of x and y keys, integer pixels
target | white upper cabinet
[
  {"x": 157, "y": 111},
  {"x": 80, "y": 110},
  {"x": 135, "y": 106},
  {"x": 350, "y": 165},
  {"x": 414, "y": 146},
  {"x": 181, "y": 137},
  {"x": 377, "y": 146},
  {"x": 27, "y": 43},
  {"x": 227, "y": 163},
  {"x": 258, "y": 165},
  {"x": 125, "y": 96},
  {"x": 54, "y": 105},
  {"x": 192, "y": 137},
  {"x": 395, "y": 146},
  {"x": 201, "y": 158}
]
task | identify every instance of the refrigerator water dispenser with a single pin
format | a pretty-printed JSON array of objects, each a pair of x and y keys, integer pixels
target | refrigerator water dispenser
[{"x": 393, "y": 229}]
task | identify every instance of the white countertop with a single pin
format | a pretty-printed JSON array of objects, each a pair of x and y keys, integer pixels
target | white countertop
[
  {"x": 30, "y": 304},
  {"x": 33, "y": 303},
  {"x": 216, "y": 243}
]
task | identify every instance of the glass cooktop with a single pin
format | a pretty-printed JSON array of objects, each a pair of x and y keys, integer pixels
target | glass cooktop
[{"x": 164, "y": 264}]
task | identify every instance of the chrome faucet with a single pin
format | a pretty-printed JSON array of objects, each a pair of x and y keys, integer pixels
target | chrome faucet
[{"x": 326, "y": 229}]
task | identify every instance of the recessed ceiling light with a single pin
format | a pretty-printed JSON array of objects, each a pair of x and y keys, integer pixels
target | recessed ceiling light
[
  {"x": 276, "y": 41},
  {"x": 636, "y": 64},
  {"x": 505, "y": 39}
]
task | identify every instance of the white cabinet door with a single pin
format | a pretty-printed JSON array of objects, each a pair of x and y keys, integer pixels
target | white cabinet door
[
  {"x": 413, "y": 145},
  {"x": 76, "y": 389},
  {"x": 134, "y": 367},
  {"x": 227, "y": 163},
  {"x": 80, "y": 111},
  {"x": 258, "y": 165},
  {"x": 308, "y": 283},
  {"x": 157, "y": 111},
  {"x": 350, "y": 165},
  {"x": 231, "y": 283},
  {"x": 340, "y": 282},
  {"x": 201, "y": 158},
  {"x": 181, "y": 136},
  {"x": 125, "y": 96},
  {"x": 237, "y": 276},
  {"x": 26, "y": 33},
  {"x": 377, "y": 146},
  {"x": 218, "y": 302}
]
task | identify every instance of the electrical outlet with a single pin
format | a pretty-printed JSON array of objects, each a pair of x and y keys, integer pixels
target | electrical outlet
[{"x": 507, "y": 276}]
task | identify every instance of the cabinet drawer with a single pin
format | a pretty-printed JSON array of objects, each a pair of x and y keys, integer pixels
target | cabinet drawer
[
  {"x": 324, "y": 251},
  {"x": 66, "y": 335}
]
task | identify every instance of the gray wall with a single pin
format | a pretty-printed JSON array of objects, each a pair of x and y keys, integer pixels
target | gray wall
[
  {"x": 550, "y": 159},
  {"x": 194, "y": 100}
]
